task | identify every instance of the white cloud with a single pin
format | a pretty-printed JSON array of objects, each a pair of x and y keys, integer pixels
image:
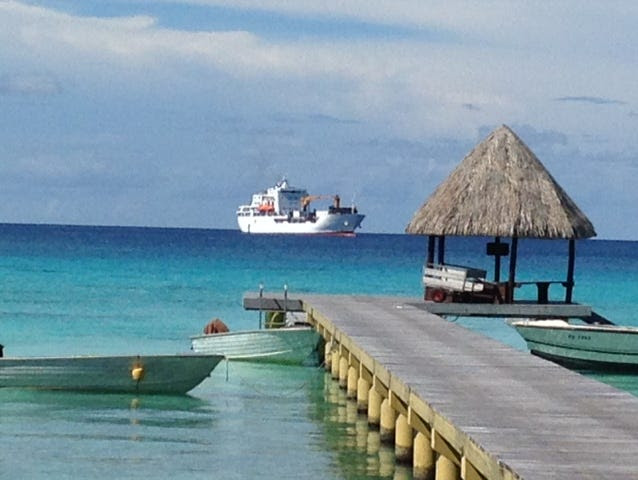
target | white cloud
[
  {"x": 420, "y": 86},
  {"x": 516, "y": 22}
]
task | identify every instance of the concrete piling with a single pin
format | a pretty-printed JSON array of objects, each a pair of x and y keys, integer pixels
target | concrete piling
[
  {"x": 363, "y": 393},
  {"x": 343, "y": 371},
  {"x": 446, "y": 469},
  {"x": 351, "y": 385},
  {"x": 423, "y": 463},
  {"x": 334, "y": 364},
  {"x": 374, "y": 407},
  {"x": 387, "y": 422},
  {"x": 403, "y": 443},
  {"x": 327, "y": 355}
]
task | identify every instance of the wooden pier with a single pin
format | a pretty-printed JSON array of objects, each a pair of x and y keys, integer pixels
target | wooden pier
[{"x": 467, "y": 406}]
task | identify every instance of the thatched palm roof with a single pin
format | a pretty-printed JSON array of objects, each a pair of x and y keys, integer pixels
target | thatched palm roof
[{"x": 501, "y": 189}]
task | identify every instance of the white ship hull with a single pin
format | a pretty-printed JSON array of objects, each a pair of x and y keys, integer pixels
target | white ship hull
[
  {"x": 291, "y": 345},
  {"x": 164, "y": 374},
  {"x": 325, "y": 223}
]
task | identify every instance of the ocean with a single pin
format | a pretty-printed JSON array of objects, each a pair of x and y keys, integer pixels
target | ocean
[{"x": 71, "y": 290}]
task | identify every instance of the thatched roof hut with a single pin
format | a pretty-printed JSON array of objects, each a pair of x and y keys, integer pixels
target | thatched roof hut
[{"x": 501, "y": 189}]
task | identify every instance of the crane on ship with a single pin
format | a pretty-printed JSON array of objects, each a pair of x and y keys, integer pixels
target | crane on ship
[{"x": 305, "y": 201}]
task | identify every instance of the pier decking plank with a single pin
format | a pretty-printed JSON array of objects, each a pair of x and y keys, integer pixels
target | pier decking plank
[{"x": 539, "y": 420}]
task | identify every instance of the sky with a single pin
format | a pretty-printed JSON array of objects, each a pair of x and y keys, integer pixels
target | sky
[{"x": 173, "y": 113}]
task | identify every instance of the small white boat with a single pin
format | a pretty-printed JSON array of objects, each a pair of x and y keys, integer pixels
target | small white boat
[
  {"x": 295, "y": 344},
  {"x": 581, "y": 345},
  {"x": 161, "y": 374},
  {"x": 283, "y": 209}
]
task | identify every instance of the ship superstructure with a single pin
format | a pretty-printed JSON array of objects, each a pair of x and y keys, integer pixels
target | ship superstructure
[{"x": 286, "y": 209}]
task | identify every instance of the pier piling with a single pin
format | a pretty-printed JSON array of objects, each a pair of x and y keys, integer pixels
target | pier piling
[
  {"x": 388, "y": 421},
  {"x": 374, "y": 407},
  {"x": 343, "y": 371},
  {"x": 363, "y": 393},
  {"x": 423, "y": 464},
  {"x": 334, "y": 364},
  {"x": 446, "y": 469},
  {"x": 351, "y": 386},
  {"x": 327, "y": 355},
  {"x": 403, "y": 442}
]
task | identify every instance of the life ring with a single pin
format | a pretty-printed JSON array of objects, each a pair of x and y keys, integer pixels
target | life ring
[
  {"x": 275, "y": 319},
  {"x": 438, "y": 296}
]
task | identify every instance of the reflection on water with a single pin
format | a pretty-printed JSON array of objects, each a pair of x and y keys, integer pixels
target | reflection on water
[
  {"x": 101, "y": 417},
  {"x": 115, "y": 409},
  {"x": 98, "y": 435},
  {"x": 90, "y": 401},
  {"x": 358, "y": 448}
]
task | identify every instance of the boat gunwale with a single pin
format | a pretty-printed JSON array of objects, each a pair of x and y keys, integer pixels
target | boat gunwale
[
  {"x": 295, "y": 328},
  {"x": 123, "y": 356},
  {"x": 570, "y": 326}
]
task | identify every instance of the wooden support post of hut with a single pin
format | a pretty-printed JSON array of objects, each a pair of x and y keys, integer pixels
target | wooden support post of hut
[{"x": 499, "y": 190}]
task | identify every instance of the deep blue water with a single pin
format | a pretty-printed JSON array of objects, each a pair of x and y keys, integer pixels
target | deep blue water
[{"x": 92, "y": 290}]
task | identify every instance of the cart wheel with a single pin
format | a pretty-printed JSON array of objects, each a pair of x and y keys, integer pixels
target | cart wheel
[{"x": 438, "y": 296}]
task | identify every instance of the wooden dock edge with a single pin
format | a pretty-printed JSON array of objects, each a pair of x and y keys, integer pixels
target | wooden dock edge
[
  {"x": 445, "y": 438},
  {"x": 279, "y": 302},
  {"x": 508, "y": 310},
  {"x": 273, "y": 302}
]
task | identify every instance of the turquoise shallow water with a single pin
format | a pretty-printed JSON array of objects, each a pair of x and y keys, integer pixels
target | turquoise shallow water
[{"x": 78, "y": 290}]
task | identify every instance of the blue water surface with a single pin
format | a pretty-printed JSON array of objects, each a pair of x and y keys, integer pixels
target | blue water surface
[{"x": 122, "y": 290}]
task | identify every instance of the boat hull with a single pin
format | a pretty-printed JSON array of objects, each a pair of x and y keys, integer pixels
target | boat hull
[
  {"x": 161, "y": 374},
  {"x": 325, "y": 224},
  {"x": 290, "y": 345},
  {"x": 582, "y": 346}
]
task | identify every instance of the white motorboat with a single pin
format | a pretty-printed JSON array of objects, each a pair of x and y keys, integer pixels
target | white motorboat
[
  {"x": 137, "y": 374},
  {"x": 283, "y": 209},
  {"x": 295, "y": 343},
  {"x": 581, "y": 345}
]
